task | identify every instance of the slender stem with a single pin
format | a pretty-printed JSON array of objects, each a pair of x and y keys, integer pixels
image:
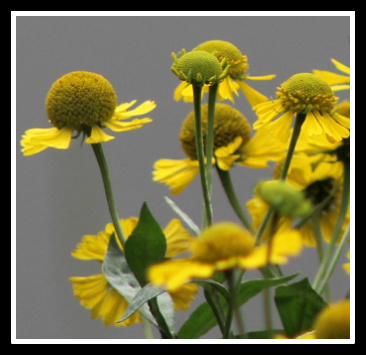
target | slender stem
[
  {"x": 99, "y": 154},
  {"x": 228, "y": 186},
  {"x": 334, "y": 262},
  {"x": 320, "y": 249},
  {"x": 210, "y": 133},
  {"x": 197, "y": 90},
  {"x": 338, "y": 227},
  {"x": 232, "y": 304},
  {"x": 300, "y": 119}
]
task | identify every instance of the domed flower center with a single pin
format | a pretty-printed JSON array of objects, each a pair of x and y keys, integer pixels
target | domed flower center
[
  {"x": 223, "y": 49},
  {"x": 222, "y": 241},
  {"x": 229, "y": 123},
  {"x": 304, "y": 89},
  {"x": 80, "y": 98},
  {"x": 198, "y": 67}
]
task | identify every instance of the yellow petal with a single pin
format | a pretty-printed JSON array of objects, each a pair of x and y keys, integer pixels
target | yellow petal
[
  {"x": 174, "y": 273},
  {"x": 311, "y": 125},
  {"x": 177, "y": 237},
  {"x": 332, "y": 78},
  {"x": 177, "y": 174},
  {"x": 98, "y": 136},
  {"x": 341, "y": 66},
  {"x": 37, "y": 139},
  {"x": 261, "y": 77},
  {"x": 143, "y": 108},
  {"x": 253, "y": 96},
  {"x": 281, "y": 127},
  {"x": 118, "y": 126}
]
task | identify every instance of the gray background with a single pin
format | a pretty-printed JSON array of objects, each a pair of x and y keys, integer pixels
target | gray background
[{"x": 59, "y": 193}]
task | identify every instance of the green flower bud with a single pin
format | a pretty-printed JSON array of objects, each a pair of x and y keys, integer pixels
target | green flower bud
[
  {"x": 199, "y": 68},
  {"x": 284, "y": 198}
]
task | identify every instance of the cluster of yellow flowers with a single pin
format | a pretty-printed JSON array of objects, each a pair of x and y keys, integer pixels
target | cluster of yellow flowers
[{"x": 301, "y": 205}]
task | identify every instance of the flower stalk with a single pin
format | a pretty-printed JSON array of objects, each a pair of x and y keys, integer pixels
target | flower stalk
[
  {"x": 197, "y": 91},
  {"x": 102, "y": 162}
]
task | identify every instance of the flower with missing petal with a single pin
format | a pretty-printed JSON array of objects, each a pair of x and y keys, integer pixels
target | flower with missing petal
[
  {"x": 83, "y": 102},
  {"x": 95, "y": 293},
  {"x": 237, "y": 78},
  {"x": 303, "y": 93}
]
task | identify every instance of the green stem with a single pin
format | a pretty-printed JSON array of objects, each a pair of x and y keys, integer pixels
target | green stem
[
  {"x": 334, "y": 262},
  {"x": 232, "y": 304},
  {"x": 300, "y": 119},
  {"x": 319, "y": 245},
  {"x": 197, "y": 90},
  {"x": 228, "y": 186},
  {"x": 338, "y": 227},
  {"x": 163, "y": 327},
  {"x": 210, "y": 133},
  {"x": 99, "y": 154}
]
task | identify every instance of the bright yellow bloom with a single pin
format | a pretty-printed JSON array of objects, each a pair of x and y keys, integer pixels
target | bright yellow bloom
[
  {"x": 232, "y": 144},
  {"x": 336, "y": 81},
  {"x": 83, "y": 102},
  {"x": 224, "y": 246},
  {"x": 303, "y": 92},
  {"x": 236, "y": 79},
  {"x": 95, "y": 293}
]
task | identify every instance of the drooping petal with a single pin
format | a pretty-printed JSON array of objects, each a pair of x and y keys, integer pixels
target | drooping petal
[
  {"x": 177, "y": 237},
  {"x": 253, "y": 96},
  {"x": 118, "y": 126},
  {"x": 226, "y": 89},
  {"x": 335, "y": 131},
  {"x": 98, "y": 136},
  {"x": 92, "y": 247},
  {"x": 262, "y": 148},
  {"x": 281, "y": 127},
  {"x": 174, "y": 273},
  {"x": 311, "y": 125},
  {"x": 177, "y": 174},
  {"x": 38, "y": 139},
  {"x": 225, "y": 156},
  {"x": 122, "y": 114}
]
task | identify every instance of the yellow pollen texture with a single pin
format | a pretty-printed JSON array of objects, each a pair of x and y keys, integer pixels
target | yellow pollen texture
[
  {"x": 305, "y": 89},
  {"x": 222, "y": 241},
  {"x": 80, "y": 98},
  {"x": 229, "y": 123}
]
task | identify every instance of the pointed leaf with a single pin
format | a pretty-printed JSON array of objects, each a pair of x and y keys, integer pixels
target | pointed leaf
[
  {"x": 297, "y": 305},
  {"x": 144, "y": 295},
  {"x": 146, "y": 245},
  {"x": 120, "y": 276}
]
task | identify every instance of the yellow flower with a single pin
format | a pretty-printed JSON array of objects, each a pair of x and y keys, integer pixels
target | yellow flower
[
  {"x": 95, "y": 293},
  {"x": 336, "y": 81},
  {"x": 224, "y": 246},
  {"x": 232, "y": 143},
  {"x": 236, "y": 79},
  {"x": 303, "y": 92},
  {"x": 83, "y": 102}
]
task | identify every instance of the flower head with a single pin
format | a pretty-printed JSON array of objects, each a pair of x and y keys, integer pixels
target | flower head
[
  {"x": 82, "y": 102},
  {"x": 232, "y": 144},
  {"x": 309, "y": 94},
  {"x": 238, "y": 74},
  {"x": 224, "y": 246},
  {"x": 199, "y": 68},
  {"x": 95, "y": 293}
]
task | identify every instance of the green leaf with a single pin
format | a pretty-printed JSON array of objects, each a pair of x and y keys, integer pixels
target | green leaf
[
  {"x": 146, "y": 245},
  {"x": 202, "y": 319},
  {"x": 120, "y": 276},
  {"x": 297, "y": 305},
  {"x": 144, "y": 295}
]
